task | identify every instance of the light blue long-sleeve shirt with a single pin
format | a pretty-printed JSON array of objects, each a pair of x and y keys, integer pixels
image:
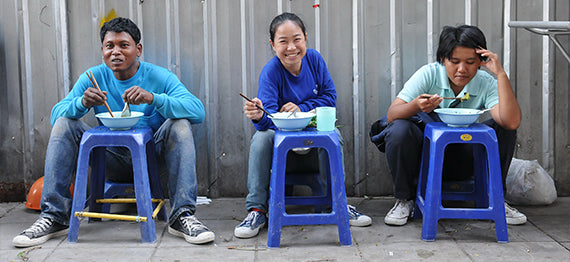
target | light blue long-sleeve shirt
[{"x": 171, "y": 98}]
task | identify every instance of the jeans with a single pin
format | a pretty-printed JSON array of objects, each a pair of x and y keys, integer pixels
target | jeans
[
  {"x": 174, "y": 147},
  {"x": 259, "y": 167},
  {"x": 404, "y": 141}
]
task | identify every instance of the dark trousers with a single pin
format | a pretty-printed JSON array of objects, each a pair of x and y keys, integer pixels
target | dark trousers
[{"x": 404, "y": 140}]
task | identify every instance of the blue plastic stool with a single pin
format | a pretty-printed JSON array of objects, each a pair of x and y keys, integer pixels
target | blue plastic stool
[
  {"x": 140, "y": 143},
  {"x": 487, "y": 188},
  {"x": 336, "y": 195}
]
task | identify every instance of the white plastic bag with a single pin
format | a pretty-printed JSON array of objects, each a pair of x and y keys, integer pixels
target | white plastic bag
[{"x": 529, "y": 184}]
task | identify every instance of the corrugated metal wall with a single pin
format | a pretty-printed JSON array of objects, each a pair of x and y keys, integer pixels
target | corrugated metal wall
[{"x": 218, "y": 47}]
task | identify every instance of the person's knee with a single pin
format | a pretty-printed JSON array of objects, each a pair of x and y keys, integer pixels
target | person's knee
[
  {"x": 64, "y": 125},
  {"x": 181, "y": 130},
  {"x": 262, "y": 139},
  {"x": 400, "y": 130}
]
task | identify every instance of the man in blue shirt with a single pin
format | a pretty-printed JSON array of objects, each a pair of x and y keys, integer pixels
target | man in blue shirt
[{"x": 169, "y": 109}]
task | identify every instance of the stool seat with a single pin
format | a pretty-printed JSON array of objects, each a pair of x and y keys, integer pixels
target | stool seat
[
  {"x": 336, "y": 194},
  {"x": 146, "y": 179},
  {"x": 487, "y": 189}
]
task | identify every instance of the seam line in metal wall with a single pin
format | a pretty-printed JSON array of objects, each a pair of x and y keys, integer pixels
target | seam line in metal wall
[
  {"x": 29, "y": 80},
  {"x": 355, "y": 92},
  {"x": 430, "y": 31}
]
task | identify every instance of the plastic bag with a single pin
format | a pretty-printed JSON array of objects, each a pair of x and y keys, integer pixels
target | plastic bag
[{"x": 529, "y": 184}]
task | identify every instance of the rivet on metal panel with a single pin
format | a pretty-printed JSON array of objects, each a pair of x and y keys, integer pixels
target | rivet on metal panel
[
  {"x": 141, "y": 1},
  {"x": 308, "y": 142}
]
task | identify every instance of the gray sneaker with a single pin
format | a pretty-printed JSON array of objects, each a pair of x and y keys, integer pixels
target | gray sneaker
[
  {"x": 250, "y": 226},
  {"x": 356, "y": 218},
  {"x": 399, "y": 214},
  {"x": 192, "y": 230},
  {"x": 514, "y": 217},
  {"x": 38, "y": 233}
]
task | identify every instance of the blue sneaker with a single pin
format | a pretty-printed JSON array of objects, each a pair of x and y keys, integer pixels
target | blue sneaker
[
  {"x": 358, "y": 219},
  {"x": 250, "y": 225}
]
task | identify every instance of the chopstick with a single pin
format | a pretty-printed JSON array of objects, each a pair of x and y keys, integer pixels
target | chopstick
[
  {"x": 246, "y": 98},
  {"x": 426, "y": 96},
  {"x": 94, "y": 82}
]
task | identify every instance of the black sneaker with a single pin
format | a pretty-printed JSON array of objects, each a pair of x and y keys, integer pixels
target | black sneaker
[
  {"x": 40, "y": 232},
  {"x": 191, "y": 229}
]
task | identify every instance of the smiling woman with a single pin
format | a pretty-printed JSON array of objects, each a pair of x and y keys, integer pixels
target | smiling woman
[{"x": 296, "y": 79}]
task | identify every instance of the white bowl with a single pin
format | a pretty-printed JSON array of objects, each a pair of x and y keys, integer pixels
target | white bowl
[
  {"x": 117, "y": 122},
  {"x": 458, "y": 117},
  {"x": 296, "y": 122}
]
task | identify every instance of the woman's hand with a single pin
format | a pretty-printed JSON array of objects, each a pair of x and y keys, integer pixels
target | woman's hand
[
  {"x": 493, "y": 63},
  {"x": 93, "y": 97},
  {"x": 136, "y": 95},
  {"x": 289, "y": 107},
  {"x": 427, "y": 103},
  {"x": 251, "y": 111}
]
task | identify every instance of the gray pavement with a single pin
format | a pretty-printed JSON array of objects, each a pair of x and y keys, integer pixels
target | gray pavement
[{"x": 545, "y": 237}]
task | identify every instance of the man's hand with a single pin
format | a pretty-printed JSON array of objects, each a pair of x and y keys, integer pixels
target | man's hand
[
  {"x": 93, "y": 97},
  {"x": 136, "y": 95},
  {"x": 251, "y": 111},
  {"x": 289, "y": 107},
  {"x": 428, "y": 104}
]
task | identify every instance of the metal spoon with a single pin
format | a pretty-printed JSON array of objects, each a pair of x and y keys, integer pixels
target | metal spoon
[
  {"x": 126, "y": 110},
  {"x": 293, "y": 113},
  {"x": 483, "y": 110}
]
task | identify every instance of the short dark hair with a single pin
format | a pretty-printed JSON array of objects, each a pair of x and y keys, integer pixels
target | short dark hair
[
  {"x": 282, "y": 18},
  {"x": 463, "y": 35},
  {"x": 121, "y": 24}
]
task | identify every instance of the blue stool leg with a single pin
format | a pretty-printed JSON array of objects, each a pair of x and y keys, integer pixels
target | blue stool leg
[
  {"x": 338, "y": 195},
  {"x": 97, "y": 181},
  {"x": 433, "y": 192},
  {"x": 79, "y": 193},
  {"x": 496, "y": 197},
  {"x": 277, "y": 198},
  {"x": 142, "y": 193},
  {"x": 154, "y": 176}
]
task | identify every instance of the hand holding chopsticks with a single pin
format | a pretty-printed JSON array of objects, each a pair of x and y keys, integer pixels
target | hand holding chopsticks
[
  {"x": 94, "y": 82},
  {"x": 246, "y": 98}
]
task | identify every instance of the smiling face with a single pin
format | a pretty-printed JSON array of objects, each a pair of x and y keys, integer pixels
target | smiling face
[
  {"x": 120, "y": 54},
  {"x": 461, "y": 67},
  {"x": 290, "y": 46}
]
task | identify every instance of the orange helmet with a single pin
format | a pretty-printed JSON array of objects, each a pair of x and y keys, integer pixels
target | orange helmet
[{"x": 35, "y": 194}]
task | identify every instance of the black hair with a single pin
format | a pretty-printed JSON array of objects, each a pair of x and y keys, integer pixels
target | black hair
[
  {"x": 282, "y": 18},
  {"x": 463, "y": 35},
  {"x": 121, "y": 24}
]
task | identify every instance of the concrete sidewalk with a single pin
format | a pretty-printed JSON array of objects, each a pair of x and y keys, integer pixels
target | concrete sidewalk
[{"x": 545, "y": 237}]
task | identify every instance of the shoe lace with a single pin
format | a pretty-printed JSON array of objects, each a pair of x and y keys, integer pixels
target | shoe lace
[
  {"x": 39, "y": 226},
  {"x": 400, "y": 204},
  {"x": 191, "y": 223},
  {"x": 353, "y": 212},
  {"x": 248, "y": 221}
]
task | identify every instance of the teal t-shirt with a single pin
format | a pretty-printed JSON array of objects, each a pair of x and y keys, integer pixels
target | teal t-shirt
[{"x": 432, "y": 79}]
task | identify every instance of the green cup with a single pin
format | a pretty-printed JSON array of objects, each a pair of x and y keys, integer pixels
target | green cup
[{"x": 326, "y": 117}]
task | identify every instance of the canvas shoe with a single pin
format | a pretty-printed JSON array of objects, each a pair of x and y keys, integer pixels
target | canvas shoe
[
  {"x": 250, "y": 225},
  {"x": 192, "y": 230},
  {"x": 399, "y": 214},
  {"x": 514, "y": 217},
  {"x": 358, "y": 219},
  {"x": 38, "y": 233}
]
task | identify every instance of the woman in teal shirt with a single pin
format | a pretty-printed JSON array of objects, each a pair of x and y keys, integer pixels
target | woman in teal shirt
[{"x": 461, "y": 52}]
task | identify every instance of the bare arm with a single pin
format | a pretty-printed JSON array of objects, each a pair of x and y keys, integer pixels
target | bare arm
[
  {"x": 507, "y": 113},
  {"x": 400, "y": 109}
]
